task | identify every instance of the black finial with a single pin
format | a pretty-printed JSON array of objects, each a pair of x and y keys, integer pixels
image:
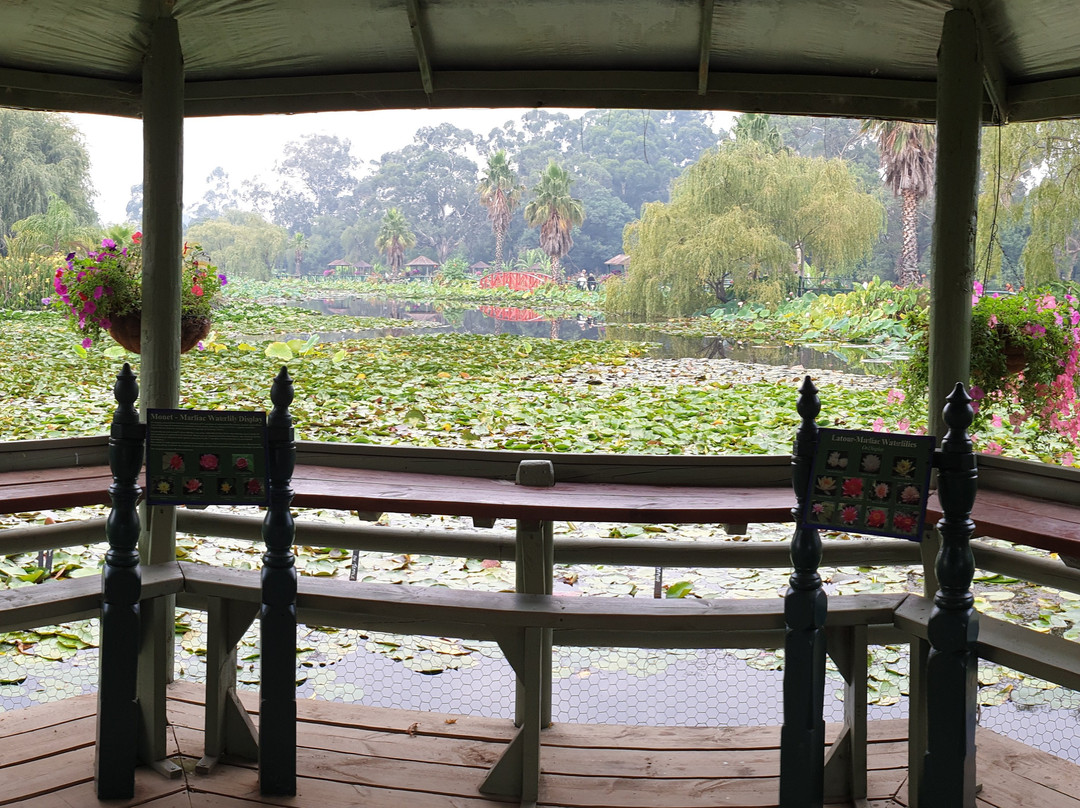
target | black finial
[
  {"x": 126, "y": 392},
  {"x": 958, "y": 415},
  {"x": 808, "y": 405},
  {"x": 281, "y": 394}
]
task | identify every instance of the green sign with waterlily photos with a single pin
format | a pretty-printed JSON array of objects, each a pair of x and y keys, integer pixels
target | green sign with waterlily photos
[
  {"x": 206, "y": 457},
  {"x": 870, "y": 482}
]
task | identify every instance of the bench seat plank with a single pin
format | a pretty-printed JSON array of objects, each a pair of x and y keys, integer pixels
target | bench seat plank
[
  {"x": 1030, "y": 521},
  {"x": 66, "y": 487},
  {"x": 368, "y": 490}
]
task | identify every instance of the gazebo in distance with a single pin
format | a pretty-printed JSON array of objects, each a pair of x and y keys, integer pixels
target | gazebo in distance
[
  {"x": 426, "y": 266},
  {"x": 619, "y": 263},
  {"x": 480, "y": 267}
]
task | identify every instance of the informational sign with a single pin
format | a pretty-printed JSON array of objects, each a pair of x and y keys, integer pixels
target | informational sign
[
  {"x": 870, "y": 482},
  {"x": 206, "y": 457}
]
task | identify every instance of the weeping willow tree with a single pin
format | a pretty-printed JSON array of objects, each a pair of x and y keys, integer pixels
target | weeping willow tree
[
  {"x": 742, "y": 223},
  {"x": 1031, "y": 179}
]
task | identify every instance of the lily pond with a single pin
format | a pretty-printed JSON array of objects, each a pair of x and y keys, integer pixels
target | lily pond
[
  {"x": 387, "y": 372},
  {"x": 419, "y": 317}
]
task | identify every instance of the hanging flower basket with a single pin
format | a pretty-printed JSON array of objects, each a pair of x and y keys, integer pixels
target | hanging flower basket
[
  {"x": 126, "y": 329},
  {"x": 102, "y": 291}
]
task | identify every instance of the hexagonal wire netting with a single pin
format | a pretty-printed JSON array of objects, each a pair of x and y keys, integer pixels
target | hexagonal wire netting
[{"x": 704, "y": 687}]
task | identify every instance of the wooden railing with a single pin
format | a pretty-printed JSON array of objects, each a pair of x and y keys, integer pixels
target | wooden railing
[{"x": 526, "y": 624}]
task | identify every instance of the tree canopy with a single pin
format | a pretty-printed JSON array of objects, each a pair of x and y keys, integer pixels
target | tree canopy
[
  {"x": 42, "y": 155},
  {"x": 1030, "y": 189},
  {"x": 744, "y": 221},
  {"x": 241, "y": 243}
]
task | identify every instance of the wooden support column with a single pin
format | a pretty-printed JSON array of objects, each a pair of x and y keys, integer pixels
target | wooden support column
[
  {"x": 845, "y": 762},
  {"x": 802, "y": 737},
  {"x": 517, "y": 771},
  {"x": 118, "y": 715},
  {"x": 277, "y": 690},
  {"x": 948, "y": 776},
  {"x": 163, "y": 126},
  {"x": 959, "y": 117},
  {"x": 228, "y": 727}
]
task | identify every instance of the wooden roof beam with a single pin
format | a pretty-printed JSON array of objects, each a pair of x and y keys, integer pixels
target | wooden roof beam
[
  {"x": 705, "y": 45},
  {"x": 31, "y": 89},
  {"x": 412, "y": 8}
]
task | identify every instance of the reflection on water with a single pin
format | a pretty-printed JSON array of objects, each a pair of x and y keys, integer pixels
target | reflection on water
[{"x": 527, "y": 322}]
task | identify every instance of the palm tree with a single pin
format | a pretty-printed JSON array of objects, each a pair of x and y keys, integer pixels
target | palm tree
[
  {"x": 555, "y": 212},
  {"x": 395, "y": 236},
  {"x": 500, "y": 193},
  {"x": 299, "y": 244},
  {"x": 759, "y": 127},
  {"x": 907, "y": 151}
]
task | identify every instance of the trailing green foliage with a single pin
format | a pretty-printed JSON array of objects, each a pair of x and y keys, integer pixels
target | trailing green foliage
[{"x": 741, "y": 224}]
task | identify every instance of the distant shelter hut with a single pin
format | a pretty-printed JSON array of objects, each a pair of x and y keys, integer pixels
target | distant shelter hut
[
  {"x": 480, "y": 267},
  {"x": 423, "y": 266},
  {"x": 618, "y": 264}
]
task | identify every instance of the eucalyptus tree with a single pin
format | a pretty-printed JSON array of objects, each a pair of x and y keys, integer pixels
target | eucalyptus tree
[
  {"x": 741, "y": 223},
  {"x": 908, "y": 151},
  {"x": 41, "y": 154},
  {"x": 555, "y": 212},
  {"x": 500, "y": 192},
  {"x": 432, "y": 182},
  {"x": 395, "y": 236},
  {"x": 317, "y": 179}
]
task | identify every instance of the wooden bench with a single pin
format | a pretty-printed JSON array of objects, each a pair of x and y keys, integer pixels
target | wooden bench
[{"x": 1048, "y": 524}]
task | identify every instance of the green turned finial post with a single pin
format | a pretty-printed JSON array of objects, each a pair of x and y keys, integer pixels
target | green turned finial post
[
  {"x": 802, "y": 738},
  {"x": 949, "y": 770},
  {"x": 277, "y": 692},
  {"x": 121, "y": 588}
]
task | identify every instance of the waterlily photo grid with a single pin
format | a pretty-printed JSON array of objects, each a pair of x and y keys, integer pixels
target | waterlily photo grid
[{"x": 870, "y": 482}]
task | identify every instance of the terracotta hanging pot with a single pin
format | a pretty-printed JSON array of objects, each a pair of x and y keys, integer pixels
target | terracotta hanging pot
[
  {"x": 1015, "y": 355},
  {"x": 127, "y": 331}
]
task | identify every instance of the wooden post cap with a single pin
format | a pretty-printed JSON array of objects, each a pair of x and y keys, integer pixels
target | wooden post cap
[{"x": 537, "y": 473}]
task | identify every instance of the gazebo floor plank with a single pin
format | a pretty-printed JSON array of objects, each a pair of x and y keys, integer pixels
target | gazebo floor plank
[{"x": 383, "y": 758}]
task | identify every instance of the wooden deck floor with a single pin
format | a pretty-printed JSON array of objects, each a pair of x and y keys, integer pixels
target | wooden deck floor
[{"x": 383, "y": 758}]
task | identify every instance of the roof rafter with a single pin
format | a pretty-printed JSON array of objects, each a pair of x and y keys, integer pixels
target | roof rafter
[
  {"x": 412, "y": 8},
  {"x": 705, "y": 45}
]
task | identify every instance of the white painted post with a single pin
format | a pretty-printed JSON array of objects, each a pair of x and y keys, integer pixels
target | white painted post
[{"x": 163, "y": 126}]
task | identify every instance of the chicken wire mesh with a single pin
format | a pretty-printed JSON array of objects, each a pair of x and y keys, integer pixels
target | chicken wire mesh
[{"x": 706, "y": 687}]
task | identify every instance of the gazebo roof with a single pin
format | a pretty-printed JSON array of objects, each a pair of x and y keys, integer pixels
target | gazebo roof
[
  {"x": 422, "y": 261},
  {"x": 480, "y": 265},
  {"x": 874, "y": 58},
  {"x": 620, "y": 260}
]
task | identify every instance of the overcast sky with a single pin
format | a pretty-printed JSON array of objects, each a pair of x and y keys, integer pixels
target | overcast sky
[{"x": 249, "y": 146}]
